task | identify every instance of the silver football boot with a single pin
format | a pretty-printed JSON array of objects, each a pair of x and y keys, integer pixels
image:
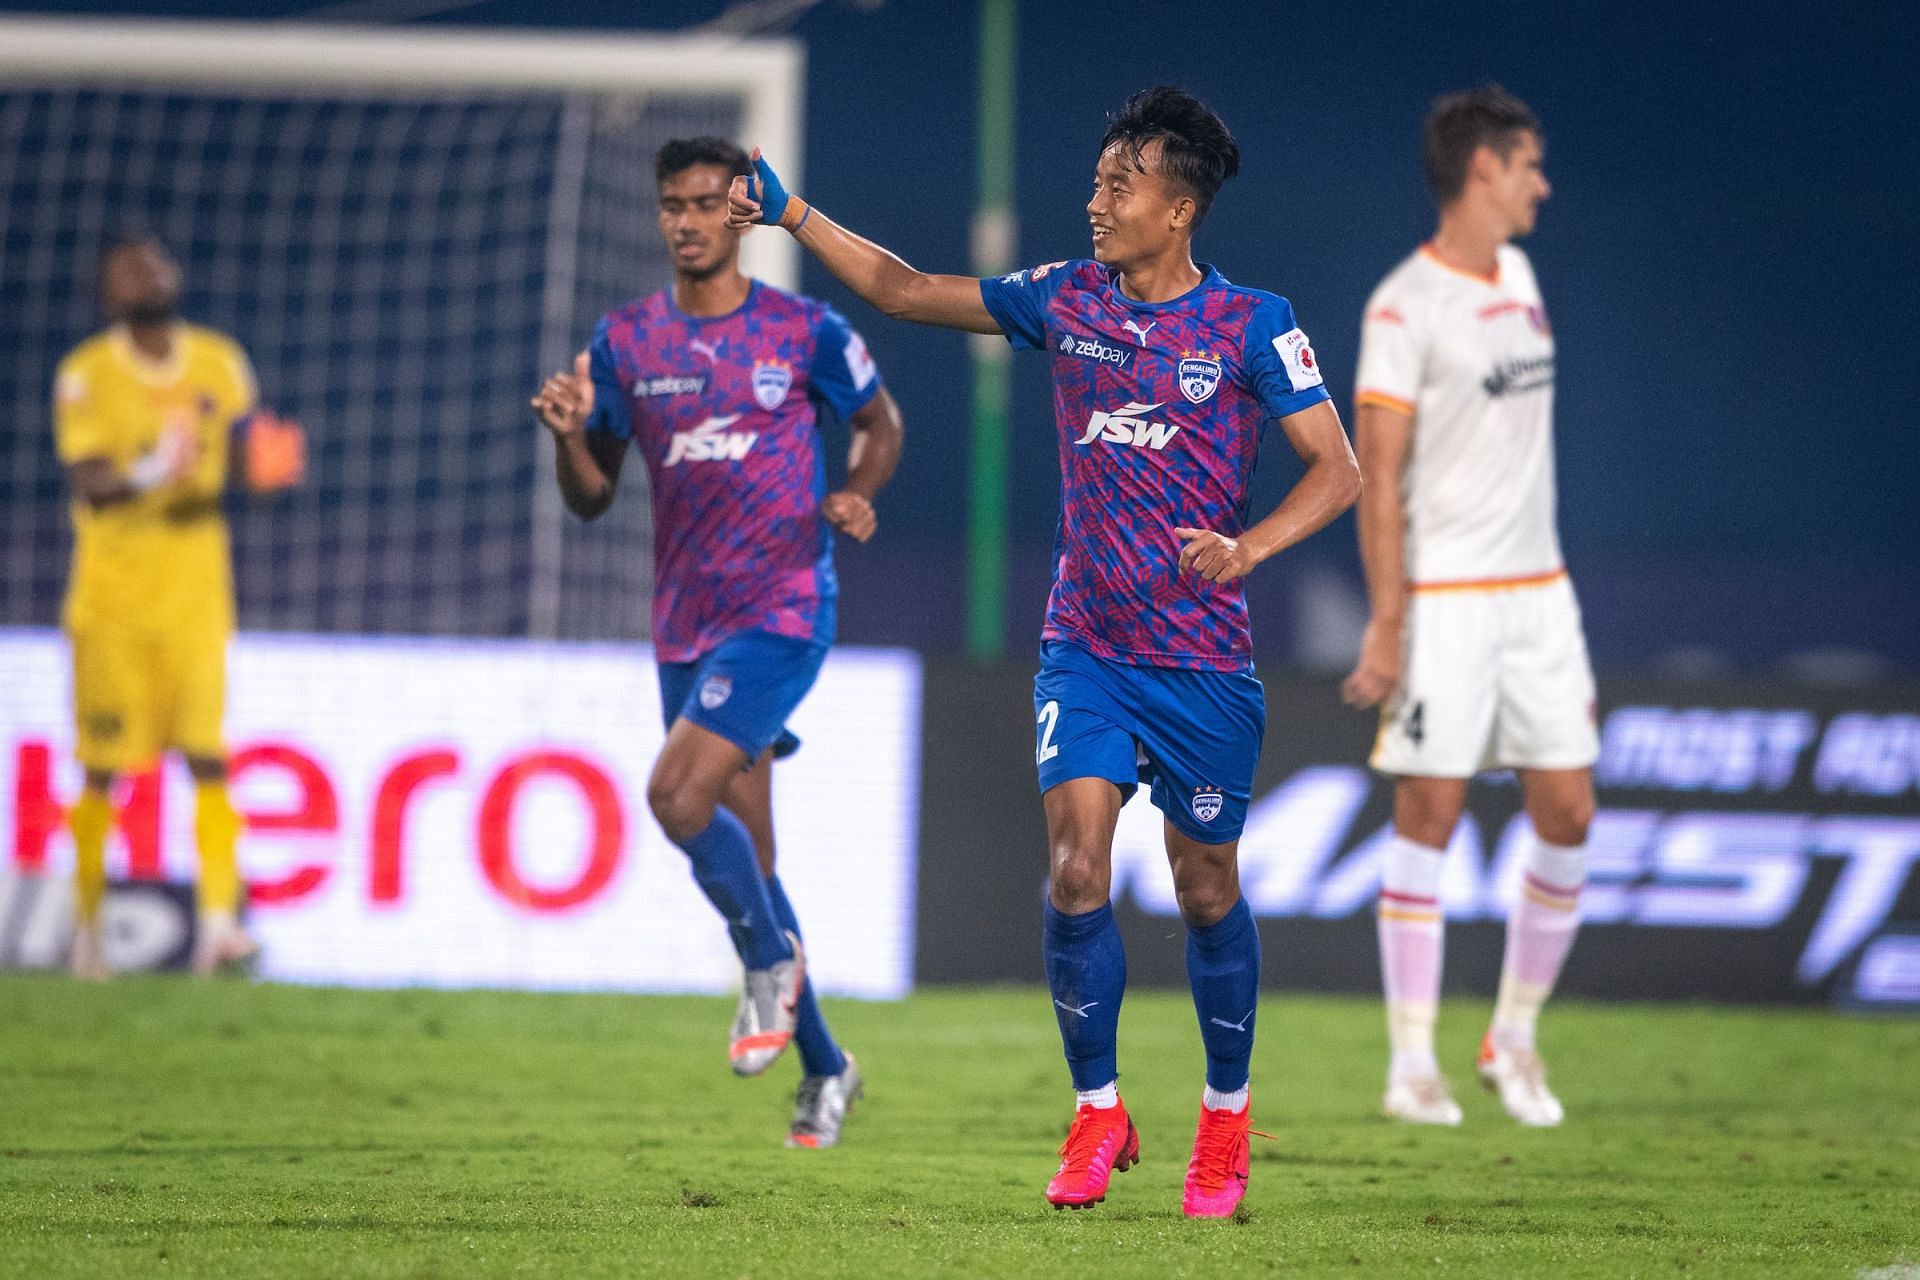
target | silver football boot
[
  {"x": 763, "y": 1026},
  {"x": 821, "y": 1104}
]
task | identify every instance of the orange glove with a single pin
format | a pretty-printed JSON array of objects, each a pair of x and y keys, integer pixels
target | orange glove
[{"x": 276, "y": 452}]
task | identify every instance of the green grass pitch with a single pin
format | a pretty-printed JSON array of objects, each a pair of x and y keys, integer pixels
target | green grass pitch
[{"x": 161, "y": 1127}]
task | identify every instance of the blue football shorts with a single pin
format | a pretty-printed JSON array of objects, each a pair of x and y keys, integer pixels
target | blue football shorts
[
  {"x": 744, "y": 690},
  {"x": 1193, "y": 736}
]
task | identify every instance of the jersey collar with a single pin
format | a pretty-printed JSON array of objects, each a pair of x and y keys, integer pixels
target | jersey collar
[
  {"x": 1426, "y": 251},
  {"x": 753, "y": 291},
  {"x": 156, "y": 373},
  {"x": 1208, "y": 279}
]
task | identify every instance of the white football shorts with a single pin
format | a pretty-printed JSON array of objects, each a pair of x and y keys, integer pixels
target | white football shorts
[{"x": 1493, "y": 677}]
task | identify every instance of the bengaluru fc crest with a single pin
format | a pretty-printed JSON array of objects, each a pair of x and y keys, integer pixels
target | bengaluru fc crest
[
  {"x": 1206, "y": 803},
  {"x": 1199, "y": 375},
  {"x": 715, "y": 691},
  {"x": 772, "y": 379}
]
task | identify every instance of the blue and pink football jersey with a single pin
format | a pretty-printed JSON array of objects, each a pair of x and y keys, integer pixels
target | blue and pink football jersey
[
  {"x": 1159, "y": 409},
  {"x": 724, "y": 409}
]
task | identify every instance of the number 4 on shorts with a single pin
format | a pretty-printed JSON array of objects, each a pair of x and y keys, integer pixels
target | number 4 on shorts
[{"x": 1414, "y": 725}]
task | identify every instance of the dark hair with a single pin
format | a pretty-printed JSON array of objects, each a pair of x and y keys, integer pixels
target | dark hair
[
  {"x": 681, "y": 154},
  {"x": 1460, "y": 124},
  {"x": 1196, "y": 148}
]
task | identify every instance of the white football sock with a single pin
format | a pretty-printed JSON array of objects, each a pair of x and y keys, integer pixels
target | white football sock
[
  {"x": 1540, "y": 932},
  {"x": 1107, "y": 1095},
  {"x": 1411, "y": 942}
]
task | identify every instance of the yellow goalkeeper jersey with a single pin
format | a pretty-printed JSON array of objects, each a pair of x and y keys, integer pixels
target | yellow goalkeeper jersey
[{"x": 160, "y": 560}]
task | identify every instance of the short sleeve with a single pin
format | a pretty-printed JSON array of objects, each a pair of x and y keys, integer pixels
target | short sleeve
[
  {"x": 1281, "y": 367},
  {"x": 1390, "y": 362},
  {"x": 80, "y": 429},
  {"x": 244, "y": 385},
  {"x": 611, "y": 413},
  {"x": 843, "y": 375},
  {"x": 1018, "y": 302}
]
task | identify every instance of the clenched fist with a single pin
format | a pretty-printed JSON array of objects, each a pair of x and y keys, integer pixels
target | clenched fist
[
  {"x": 850, "y": 513},
  {"x": 1214, "y": 556}
]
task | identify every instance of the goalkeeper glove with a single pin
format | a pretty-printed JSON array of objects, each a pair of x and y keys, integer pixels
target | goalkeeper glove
[{"x": 274, "y": 450}]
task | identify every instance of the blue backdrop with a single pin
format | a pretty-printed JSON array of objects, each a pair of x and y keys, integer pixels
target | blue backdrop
[{"x": 1728, "y": 257}]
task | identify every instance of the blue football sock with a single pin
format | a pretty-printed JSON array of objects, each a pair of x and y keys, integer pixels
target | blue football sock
[
  {"x": 1223, "y": 967},
  {"x": 819, "y": 1055},
  {"x": 1087, "y": 974},
  {"x": 727, "y": 872}
]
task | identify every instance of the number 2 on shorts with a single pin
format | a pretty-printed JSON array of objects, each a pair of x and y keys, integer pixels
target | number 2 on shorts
[{"x": 1048, "y": 718}]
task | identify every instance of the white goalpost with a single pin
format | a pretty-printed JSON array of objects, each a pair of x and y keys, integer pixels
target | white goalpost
[{"x": 406, "y": 228}]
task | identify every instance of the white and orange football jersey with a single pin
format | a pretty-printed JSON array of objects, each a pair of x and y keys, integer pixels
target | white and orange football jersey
[{"x": 1471, "y": 359}]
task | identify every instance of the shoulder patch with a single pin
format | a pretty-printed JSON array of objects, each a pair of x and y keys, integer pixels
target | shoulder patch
[
  {"x": 1296, "y": 353},
  {"x": 859, "y": 361},
  {"x": 1033, "y": 274}
]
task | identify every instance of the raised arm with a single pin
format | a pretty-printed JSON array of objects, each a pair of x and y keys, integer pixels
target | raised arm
[
  {"x": 1329, "y": 486},
  {"x": 1383, "y": 434},
  {"x": 879, "y": 277}
]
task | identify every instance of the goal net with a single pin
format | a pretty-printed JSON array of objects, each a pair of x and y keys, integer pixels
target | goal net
[{"x": 405, "y": 230}]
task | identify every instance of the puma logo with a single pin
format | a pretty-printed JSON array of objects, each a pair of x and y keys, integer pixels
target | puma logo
[
  {"x": 1135, "y": 329},
  {"x": 706, "y": 349},
  {"x": 1080, "y": 1012},
  {"x": 1234, "y": 1026}
]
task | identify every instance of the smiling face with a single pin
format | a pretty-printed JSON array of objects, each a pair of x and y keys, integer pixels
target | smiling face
[
  {"x": 693, "y": 221},
  {"x": 140, "y": 284},
  {"x": 1135, "y": 213}
]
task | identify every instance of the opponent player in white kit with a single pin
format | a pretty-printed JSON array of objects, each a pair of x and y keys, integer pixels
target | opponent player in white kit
[{"x": 1474, "y": 650}]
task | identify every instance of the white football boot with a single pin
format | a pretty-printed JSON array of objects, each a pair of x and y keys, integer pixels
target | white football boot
[
  {"x": 1520, "y": 1078},
  {"x": 1422, "y": 1100}
]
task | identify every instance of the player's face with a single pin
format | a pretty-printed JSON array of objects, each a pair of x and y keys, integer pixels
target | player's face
[
  {"x": 693, "y": 221},
  {"x": 140, "y": 284},
  {"x": 1133, "y": 209},
  {"x": 1521, "y": 185}
]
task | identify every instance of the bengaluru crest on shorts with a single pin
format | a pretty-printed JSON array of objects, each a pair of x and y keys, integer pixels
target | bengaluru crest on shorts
[
  {"x": 772, "y": 379},
  {"x": 1206, "y": 803},
  {"x": 1199, "y": 375},
  {"x": 715, "y": 691}
]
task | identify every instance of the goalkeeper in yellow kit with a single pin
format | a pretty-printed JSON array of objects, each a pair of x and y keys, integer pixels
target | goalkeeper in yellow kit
[{"x": 145, "y": 415}]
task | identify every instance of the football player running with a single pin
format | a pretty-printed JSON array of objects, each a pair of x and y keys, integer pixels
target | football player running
[{"x": 718, "y": 382}]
